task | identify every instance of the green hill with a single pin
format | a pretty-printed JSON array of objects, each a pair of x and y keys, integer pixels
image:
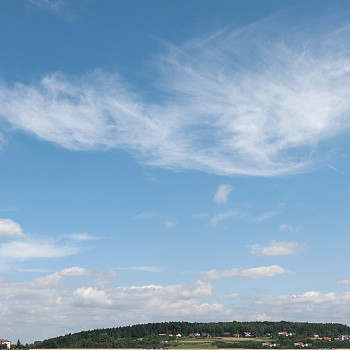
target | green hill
[{"x": 148, "y": 335}]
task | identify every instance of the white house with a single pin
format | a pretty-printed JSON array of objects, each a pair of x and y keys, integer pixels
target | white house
[
  {"x": 5, "y": 342},
  {"x": 286, "y": 334}
]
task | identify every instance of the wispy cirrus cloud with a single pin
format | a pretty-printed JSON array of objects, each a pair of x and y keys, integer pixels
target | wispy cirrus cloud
[
  {"x": 221, "y": 113},
  {"x": 222, "y": 217},
  {"x": 222, "y": 193},
  {"x": 251, "y": 273},
  {"x": 146, "y": 215},
  {"x": 36, "y": 248},
  {"x": 274, "y": 248},
  {"x": 265, "y": 216},
  {"x": 61, "y": 8},
  {"x": 228, "y": 296},
  {"x": 289, "y": 228},
  {"x": 146, "y": 268},
  {"x": 79, "y": 237}
]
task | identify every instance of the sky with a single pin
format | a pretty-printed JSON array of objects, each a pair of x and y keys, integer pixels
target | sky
[{"x": 173, "y": 161}]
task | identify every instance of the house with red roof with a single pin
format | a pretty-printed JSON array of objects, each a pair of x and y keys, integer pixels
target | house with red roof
[{"x": 5, "y": 342}]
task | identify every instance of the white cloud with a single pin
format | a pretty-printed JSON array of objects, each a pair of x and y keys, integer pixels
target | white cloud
[
  {"x": 146, "y": 215},
  {"x": 30, "y": 249},
  {"x": 344, "y": 282},
  {"x": 169, "y": 224},
  {"x": 222, "y": 217},
  {"x": 3, "y": 142},
  {"x": 75, "y": 271},
  {"x": 221, "y": 113},
  {"x": 9, "y": 228},
  {"x": 222, "y": 193},
  {"x": 307, "y": 306},
  {"x": 262, "y": 272},
  {"x": 252, "y": 273},
  {"x": 265, "y": 216},
  {"x": 50, "y": 304},
  {"x": 212, "y": 275},
  {"x": 58, "y": 7},
  {"x": 276, "y": 248},
  {"x": 81, "y": 237},
  {"x": 289, "y": 228},
  {"x": 142, "y": 268},
  {"x": 199, "y": 216},
  {"x": 229, "y": 296}
]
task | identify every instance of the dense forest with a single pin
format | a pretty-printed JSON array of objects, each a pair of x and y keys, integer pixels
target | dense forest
[{"x": 153, "y": 335}]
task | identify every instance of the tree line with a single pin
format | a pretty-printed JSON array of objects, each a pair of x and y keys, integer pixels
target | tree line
[{"x": 147, "y": 335}]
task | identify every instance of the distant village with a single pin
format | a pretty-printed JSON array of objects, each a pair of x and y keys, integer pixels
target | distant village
[{"x": 248, "y": 335}]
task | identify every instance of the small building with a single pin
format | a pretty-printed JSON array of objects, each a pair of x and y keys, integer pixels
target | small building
[
  {"x": 5, "y": 342},
  {"x": 247, "y": 334},
  {"x": 270, "y": 345},
  {"x": 300, "y": 344},
  {"x": 178, "y": 335},
  {"x": 327, "y": 338},
  {"x": 286, "y": 334},
  {"x": 236, "y": 335}
]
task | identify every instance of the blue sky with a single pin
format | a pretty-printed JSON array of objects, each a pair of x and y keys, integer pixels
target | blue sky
[{"x": 172, "y": 160}]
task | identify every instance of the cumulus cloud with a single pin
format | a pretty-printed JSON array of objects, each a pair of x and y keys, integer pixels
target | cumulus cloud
[
  {"x": 252, "y": 273},
  {"x": 51, "y": 304},
  {"x": 9, "y": 228},
  {"x": 222, "y": 111},
  {"x": 320, "y": 307},
  {"x": 274, "y": 248},
  {"x": 262, "y": 272},
  {"x": 222, "y": 193}
]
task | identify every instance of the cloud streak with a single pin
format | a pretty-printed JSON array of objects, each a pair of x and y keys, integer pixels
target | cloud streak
[
  {"x": 216, "y": 219},
  {"x": 252, "y": 273},
  {"x": 222, "y": 112},
  {"x": 32, "y": 249}
]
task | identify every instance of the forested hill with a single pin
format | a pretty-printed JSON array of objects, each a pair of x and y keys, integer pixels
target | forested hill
[{"x": 130, "y": 336}]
